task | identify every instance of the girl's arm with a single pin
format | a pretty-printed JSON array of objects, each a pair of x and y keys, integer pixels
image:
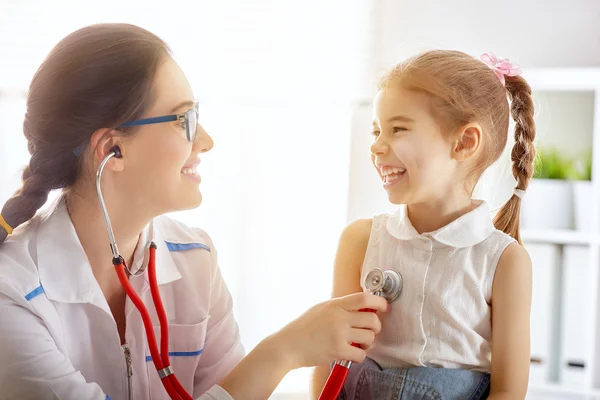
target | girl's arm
[
  {"x": 511, "y": 305},
  {"x": 346, "y": 279}
]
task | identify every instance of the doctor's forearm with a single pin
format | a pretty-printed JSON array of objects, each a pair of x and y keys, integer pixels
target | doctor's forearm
[{"x": 259, "y": 373}]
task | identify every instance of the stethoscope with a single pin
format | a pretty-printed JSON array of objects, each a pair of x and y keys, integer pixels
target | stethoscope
[
  {"x": 161, "y": 360},
  {"x": 387, "y": 284}
]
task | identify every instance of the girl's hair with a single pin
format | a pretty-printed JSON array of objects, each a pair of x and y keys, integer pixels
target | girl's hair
[
  {"x": 97, "y": 77},
  {"x": 462, "y": 90}
]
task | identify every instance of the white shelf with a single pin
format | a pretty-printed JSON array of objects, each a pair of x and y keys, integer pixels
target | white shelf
[
  {"x": 574, "y": 84},
  {"x": 557, "y": 388},
  {"x": 559, "y": 237}
]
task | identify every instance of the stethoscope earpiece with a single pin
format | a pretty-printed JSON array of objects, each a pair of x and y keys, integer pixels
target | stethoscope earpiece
[{"x": 117, "y": 152}]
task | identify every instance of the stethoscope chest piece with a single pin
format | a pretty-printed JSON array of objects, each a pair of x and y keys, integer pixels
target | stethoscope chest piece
[{"x": 387, "y": 284}]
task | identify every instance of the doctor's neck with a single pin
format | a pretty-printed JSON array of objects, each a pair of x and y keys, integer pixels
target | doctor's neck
[{"x": 128, "y": 221}]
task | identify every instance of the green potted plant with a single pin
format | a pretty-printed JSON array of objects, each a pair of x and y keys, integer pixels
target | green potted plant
[
  {"x": 582, "y": 192},
  {"x": 552, "y": 165},
  {"x": 549, "y": 200}
]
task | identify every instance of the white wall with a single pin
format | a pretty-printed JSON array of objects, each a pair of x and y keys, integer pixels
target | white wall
[{"x": 535, "y": 33}]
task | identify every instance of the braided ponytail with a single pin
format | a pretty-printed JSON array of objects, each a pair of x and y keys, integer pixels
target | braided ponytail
[
  {"x": 45, "y": 172},
  {"x": 522, "y": 154}
]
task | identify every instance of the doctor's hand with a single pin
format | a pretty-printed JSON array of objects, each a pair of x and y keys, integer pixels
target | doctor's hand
[{"x": 326, "y": 331}]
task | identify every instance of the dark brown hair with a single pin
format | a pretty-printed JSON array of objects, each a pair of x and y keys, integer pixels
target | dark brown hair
[
  {"x": 97, "y": 77},
  {"x": 462, "y": 90}
]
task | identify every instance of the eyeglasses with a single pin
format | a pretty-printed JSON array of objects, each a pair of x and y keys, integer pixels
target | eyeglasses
[{"x": 190, "y": 118}]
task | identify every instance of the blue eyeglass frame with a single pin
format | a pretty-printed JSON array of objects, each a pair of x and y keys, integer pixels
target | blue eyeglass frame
[{"x": 191, "y": 129}]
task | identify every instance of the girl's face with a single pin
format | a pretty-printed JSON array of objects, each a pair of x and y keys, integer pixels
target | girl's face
[{"x": 413, "y": 158}]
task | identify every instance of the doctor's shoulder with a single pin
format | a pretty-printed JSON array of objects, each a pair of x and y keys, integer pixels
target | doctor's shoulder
[
  {"x": 18, "y": 259},
  {"x": 184, "y": 240},
  {"x": 176, "y": 232}
]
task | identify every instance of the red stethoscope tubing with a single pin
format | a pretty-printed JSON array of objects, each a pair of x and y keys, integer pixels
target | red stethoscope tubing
[
  {"x": 335, "y": 383},
  {"x": 337, "y": 377},
  {"x": 161, "y": 360}
]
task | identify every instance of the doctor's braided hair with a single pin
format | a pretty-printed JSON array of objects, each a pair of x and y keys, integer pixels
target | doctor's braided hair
[
  {"x": 463, "y": 90},
  {"x": 97, "y": 77}
]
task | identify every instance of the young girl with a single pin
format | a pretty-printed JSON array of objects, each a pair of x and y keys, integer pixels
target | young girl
[{"x": 460, "y": 328}]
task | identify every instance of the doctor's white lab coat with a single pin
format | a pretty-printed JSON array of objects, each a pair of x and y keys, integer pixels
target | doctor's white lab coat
[{"x": 58, "y": 339}]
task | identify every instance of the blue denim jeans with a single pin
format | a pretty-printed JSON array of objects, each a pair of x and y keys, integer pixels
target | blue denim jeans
[{"x": 368, "y": 381}]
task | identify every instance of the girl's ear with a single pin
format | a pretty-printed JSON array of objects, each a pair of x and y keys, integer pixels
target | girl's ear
[{"x": 468, "y": 141}]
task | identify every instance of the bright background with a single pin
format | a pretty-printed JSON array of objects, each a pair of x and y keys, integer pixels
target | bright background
[{"x": 285, "y": 88}]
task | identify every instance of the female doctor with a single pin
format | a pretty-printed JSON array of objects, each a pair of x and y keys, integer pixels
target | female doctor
[{"x": 68, "y": 330}]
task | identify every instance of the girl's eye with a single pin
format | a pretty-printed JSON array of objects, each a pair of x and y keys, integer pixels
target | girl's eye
[
  {"x": 375, "y": 133},
  {"x": 397, "y": 129}
]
